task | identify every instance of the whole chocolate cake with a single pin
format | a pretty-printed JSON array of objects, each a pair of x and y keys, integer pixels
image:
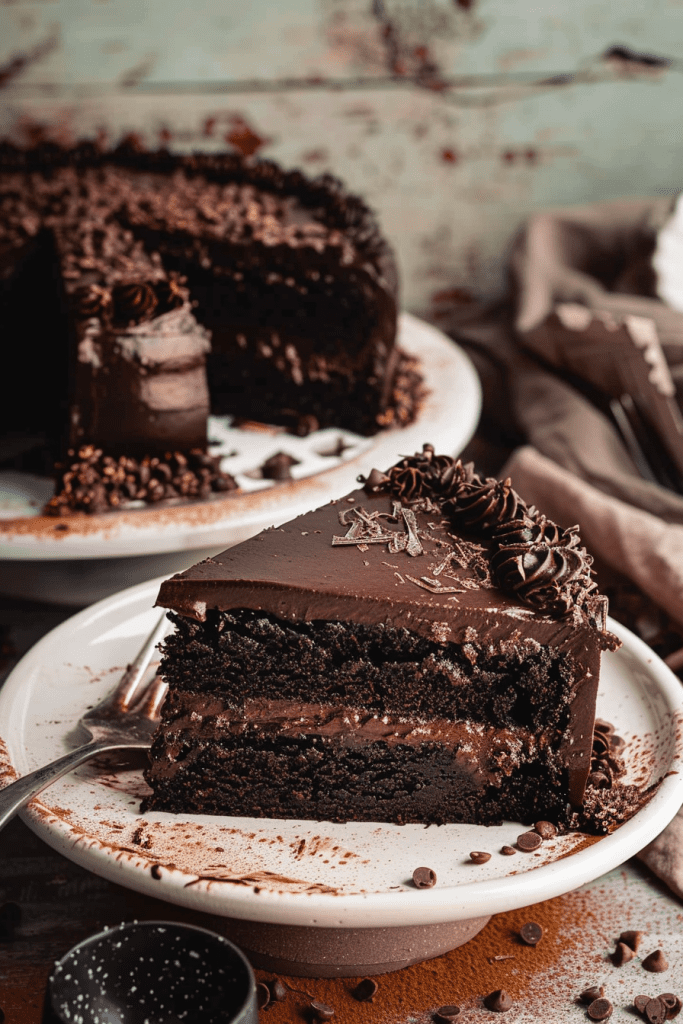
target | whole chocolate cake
[
  {"x": 148, "y": 288},
  {"x": 426, "y": 649}
]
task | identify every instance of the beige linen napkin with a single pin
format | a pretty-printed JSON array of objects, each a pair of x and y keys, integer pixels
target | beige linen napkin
[{"x": 571, "y": 461}]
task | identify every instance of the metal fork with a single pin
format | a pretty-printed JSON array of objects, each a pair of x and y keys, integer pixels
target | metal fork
[{"x": 125, "y": 719}]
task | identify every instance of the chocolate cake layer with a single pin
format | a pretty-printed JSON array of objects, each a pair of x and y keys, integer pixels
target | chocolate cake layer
[
  {"x": 430, "y": 630},
  {"x": 340, "y": 764}
]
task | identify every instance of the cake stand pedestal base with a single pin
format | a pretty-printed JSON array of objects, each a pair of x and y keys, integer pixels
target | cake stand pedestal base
[{"x": 345, "y": 952}]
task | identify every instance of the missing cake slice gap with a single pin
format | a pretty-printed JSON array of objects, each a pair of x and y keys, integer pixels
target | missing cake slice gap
[{"x": 425, "y": 649}]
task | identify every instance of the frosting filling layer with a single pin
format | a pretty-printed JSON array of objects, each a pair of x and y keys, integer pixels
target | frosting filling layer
[{"x": 204, "y": 748}]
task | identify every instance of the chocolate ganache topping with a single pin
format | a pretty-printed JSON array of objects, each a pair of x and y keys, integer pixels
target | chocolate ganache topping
[
  {"x": 130, "y": 304},
  {"x": 534, "y": 559}
]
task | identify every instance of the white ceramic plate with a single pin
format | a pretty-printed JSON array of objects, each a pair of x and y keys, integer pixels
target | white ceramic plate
[
  {"x": 447, "y": 419},
  {"x": 308, "y": 873}
]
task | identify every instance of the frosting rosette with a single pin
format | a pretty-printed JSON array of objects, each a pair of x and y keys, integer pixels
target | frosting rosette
[
  {"x": 542, "y": 563},
  {"x": 91, "y": 300},
  {"x": 532, "y": 528},
  {"x": 483, "y": 505},
  {"x": 133, "y": 303},
  {"x": 532, "y": 558},
  {"x": 423, "y": 475}
]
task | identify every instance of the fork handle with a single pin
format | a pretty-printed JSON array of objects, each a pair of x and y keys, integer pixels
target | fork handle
[{"x": 14, "y": 796}]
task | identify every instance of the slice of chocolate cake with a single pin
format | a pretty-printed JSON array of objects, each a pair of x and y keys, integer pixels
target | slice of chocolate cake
[{"x": 424, "y": 650}]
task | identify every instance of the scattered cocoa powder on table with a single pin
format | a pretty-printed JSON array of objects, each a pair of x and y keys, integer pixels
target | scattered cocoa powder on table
[
  {"x": 544, "y": 981},
  {"x": 463, "y": 976}
]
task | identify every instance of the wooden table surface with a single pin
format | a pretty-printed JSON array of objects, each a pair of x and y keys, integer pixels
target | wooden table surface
[{"x": 61, "y": 903}]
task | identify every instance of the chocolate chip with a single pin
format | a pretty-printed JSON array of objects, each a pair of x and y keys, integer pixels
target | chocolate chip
[
  {"x": 278, "y": 466},
  {"x": 600, "y": 1009},
  {"x": 655, "y": 962},
  {"x": 156, "y": 871},
  {"x": 498, "y": 1001},
  {"x": 673, "y": 1004},
  {"x": 529, "y": 841},
  {"x": 321, "y": 1011},
  {"x": 278, "y": 991},
  {"x": 640, "y": 1002},
  {"x": 531, "y": 933},
  {"x": 365, "y": 990},
  {"x": 545, "y": 829},
  {"x": 655, "y": 1011},
  {"x": 445, "y": 1014},
  {"x": 632, "y": 939},
  {"x": 479, "y": 857},
  {"x": 424, "y": 878},
  {"x": 622, "y": 954},
  {"x": 589, "y": 995},
  {"x": 262, "y": 995},
  {"x": 508, "y": 851}
]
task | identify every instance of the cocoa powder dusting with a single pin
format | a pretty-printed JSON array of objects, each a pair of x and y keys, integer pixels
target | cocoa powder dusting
[
  {"x": 545, "y": 982},
  {"x": 463, "y": 975}
]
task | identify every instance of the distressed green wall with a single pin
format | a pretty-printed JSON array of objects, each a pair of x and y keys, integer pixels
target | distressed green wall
[{"x": 455, "y": 118}]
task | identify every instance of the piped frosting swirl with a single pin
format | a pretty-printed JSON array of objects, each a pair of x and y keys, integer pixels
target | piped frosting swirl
[
  {"x": 133, "y": 303},
  {"x": 542, "y": 564},
  {"x": 423, "y": 475},
  {"x": 483, "y": 505}
]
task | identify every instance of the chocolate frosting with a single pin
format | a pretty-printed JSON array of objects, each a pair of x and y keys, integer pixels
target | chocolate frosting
[
  {"x": 369, "y": 558},
  {"x": 424, "y": 474},
  {"x": 533, "y": 558},
  {"x": 488, "y": 754}
]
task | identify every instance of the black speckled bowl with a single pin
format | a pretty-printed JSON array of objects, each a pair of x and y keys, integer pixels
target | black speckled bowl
[{"x": 152, "y": 972}]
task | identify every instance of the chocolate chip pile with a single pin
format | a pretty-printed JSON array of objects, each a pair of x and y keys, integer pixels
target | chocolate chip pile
[
  {"x": 657, "y": 1009},
  {"x": 91, "y": 481}
]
